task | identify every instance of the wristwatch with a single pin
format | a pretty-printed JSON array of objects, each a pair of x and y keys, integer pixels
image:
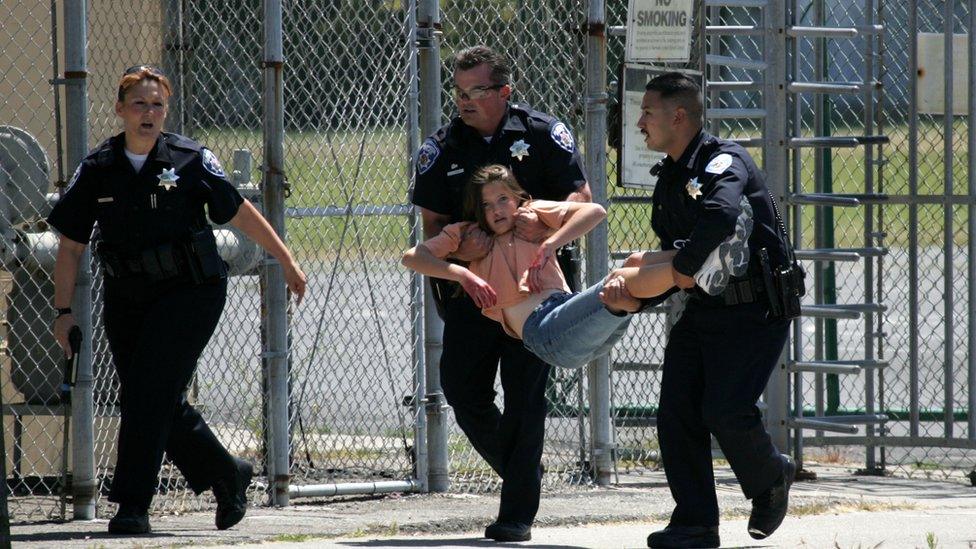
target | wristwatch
[{"x": 62, "y": 311}]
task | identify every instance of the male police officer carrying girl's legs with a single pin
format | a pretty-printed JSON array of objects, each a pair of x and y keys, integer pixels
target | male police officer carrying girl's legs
[
  {"x": 721, "y": 352},
  {"x": 165, "y": 288}
]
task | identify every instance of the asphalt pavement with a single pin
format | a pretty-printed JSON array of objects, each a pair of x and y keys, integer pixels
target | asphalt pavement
[{"x": 838, "y": 510}]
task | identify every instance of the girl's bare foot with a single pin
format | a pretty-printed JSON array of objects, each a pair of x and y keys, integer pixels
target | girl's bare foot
[{"x": 616, "y": 297}]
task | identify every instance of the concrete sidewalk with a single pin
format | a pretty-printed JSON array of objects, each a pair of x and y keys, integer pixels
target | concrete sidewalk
[{"x": 837, "y": 510}]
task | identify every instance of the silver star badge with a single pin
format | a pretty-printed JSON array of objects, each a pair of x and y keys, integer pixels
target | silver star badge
[
  {"x": 520, "y": 149},
  {"x": 167, "y": 178},
  {"x": 694, "y": 188}
]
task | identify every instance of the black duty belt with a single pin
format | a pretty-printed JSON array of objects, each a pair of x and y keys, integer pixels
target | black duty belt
[
  {"x": 737, "y": 292},
  {"x": 196, "y": 259},
  {"x": 159, "y": 263}
]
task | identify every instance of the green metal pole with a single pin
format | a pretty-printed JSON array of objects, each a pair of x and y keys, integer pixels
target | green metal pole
[{"x": 829, "y": 273}]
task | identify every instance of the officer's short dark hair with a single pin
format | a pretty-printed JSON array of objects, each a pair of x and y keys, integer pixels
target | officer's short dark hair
[
  {"x": 680, "y": 89},
  {"x": 492, "y": 173},
  {"x": 469, "y": 58}
]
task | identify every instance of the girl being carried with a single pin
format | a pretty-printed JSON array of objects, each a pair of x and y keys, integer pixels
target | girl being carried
[{"x": 519, "y": 283}]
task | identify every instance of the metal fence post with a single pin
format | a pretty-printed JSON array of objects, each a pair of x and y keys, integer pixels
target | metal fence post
[
  {"x": 173, "y": 62},
  {"x": 417, "y": 283},
  {"x": 777, "y": 174},
  {"x": 274, "y": 297},
  {"x": 76, "y": 129},
  {"x": 597, "y": 246},
  {"x": 428, "y": 40},
  {"x": 4, "y": 509},
  {"x": 971, "y": 232}
]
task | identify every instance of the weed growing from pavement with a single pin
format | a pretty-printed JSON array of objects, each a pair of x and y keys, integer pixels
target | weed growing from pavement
[
  {"x": 800, "y": 509},
  {"x": 931, "y": 541},
  {"x": 293, "y": 538}
]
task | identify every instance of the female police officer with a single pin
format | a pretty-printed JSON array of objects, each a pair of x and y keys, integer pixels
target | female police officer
[{"x": 165, "y": 287}]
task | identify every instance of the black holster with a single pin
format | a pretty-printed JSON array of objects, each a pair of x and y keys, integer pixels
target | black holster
[
  {"x": 203, "y": 259},
  {"x": 570, "y": 259},
  {"x": 784, "y": 286}
]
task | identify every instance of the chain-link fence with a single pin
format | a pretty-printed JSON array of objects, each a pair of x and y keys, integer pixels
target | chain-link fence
[
  {"x": 354, "y": 408},
  {"x": 545, "y": 44},
  {"x": 29, "y": 148}
]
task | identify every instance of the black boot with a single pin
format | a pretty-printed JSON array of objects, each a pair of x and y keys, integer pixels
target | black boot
[
  {"x": 508, "y": 531},
  {"x": 680, "y": 537},
  {"x": 769, "y": 508},
  {"x": 231, "y": 494},
  {"x": 130, "y": 520}
]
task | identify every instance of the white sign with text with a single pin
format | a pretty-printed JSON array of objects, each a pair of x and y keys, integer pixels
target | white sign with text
[{"x": 659, "y": 30}]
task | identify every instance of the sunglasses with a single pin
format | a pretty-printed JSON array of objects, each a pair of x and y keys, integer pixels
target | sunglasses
[
  {"x": 139, "y": 68},
  {"x": 475, "y": 93}
]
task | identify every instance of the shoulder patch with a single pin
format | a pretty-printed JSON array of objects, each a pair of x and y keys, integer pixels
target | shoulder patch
[
  {"x": 211, "y": 164},
  {"x": 74, "y": 177},
  {"x": 563, "y": 137},
  {"x": 719, "y": 164},
  {"x": 426, "y": 156}
]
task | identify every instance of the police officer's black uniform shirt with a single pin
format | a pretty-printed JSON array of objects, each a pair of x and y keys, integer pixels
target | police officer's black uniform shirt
[
  {"x": 725, "y": 173},
  {"x": 162, "y": 203},
  {"x": 539, "y": 149}
]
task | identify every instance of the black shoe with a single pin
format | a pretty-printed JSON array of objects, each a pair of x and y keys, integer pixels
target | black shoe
[
  {"x": 508, "y": 531},
  {"x": 129, "y": 520},
  {"x": 677, "y": 537},
  {"x": 769, "y": 508},
  {"x": 231, "y": 494}
]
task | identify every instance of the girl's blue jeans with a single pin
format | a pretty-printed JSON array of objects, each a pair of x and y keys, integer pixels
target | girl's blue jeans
[{"x": 570, "y": 330}]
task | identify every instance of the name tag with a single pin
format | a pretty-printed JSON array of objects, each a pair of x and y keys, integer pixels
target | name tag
[
  {"x": 106, "y": 199},
  {"x": 455, "y": 172}
]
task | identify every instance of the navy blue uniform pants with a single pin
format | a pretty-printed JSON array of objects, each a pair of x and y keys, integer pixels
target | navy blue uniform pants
[
  {"x": 716, "y": 365},
  {"x": 156, "y": 334},
  {"x": 511, "y": 440}
]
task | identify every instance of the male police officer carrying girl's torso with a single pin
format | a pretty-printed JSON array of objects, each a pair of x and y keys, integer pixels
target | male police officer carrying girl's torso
[{"x": 150, "y": 194}]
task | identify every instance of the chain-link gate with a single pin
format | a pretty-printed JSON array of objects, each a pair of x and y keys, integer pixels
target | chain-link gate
[{"x": 916, "y": 235}]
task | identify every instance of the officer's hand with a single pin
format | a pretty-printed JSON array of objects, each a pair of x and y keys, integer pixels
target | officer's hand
[
  {"x": 619, "y": 272},
  {"x": 475, "y": 244},
  {"x": 616, "y": 297},
  {"x": 543, "y": 256},
  {"x": 480, "y": 291},
  {"x": 295, "y": 279},
  {"x": 681, "y": 280},
  {"x": 62, "y": 326},
  {"x": 528, "y": 227}
]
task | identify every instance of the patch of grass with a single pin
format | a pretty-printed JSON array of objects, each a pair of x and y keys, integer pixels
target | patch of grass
[
  {"x": 357, "y": 533},
  {"x": 321, "y": 169},
  {"x": 925, "y": 466},
  {"x": 812, "y": 509},
  {"x": 292, "y": 538},
  {"x": 348, "y": 454},
  {"x": 874, "y": 506},
  {"x": 800, "y": 509}
]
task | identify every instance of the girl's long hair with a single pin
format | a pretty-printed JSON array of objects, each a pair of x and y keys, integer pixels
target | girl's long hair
[{"x": 492, "y": 173}]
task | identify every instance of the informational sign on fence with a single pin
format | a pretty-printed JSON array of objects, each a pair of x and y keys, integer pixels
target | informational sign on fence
[
  {"x": 932, "y": 77},
  {"x": 659, "y": 30},
  {"x": 636, "y": 159}
]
